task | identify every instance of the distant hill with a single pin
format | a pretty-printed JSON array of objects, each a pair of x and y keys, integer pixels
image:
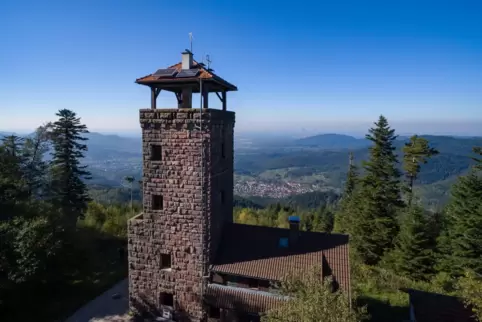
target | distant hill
[
  {"x": 104, "y": 147},
  {"x": 452, "y": 160},
  {"x": 3, "y": 134},
  {"x": 332, "y": 141},
  {"x": 321, "y": 160},
  {"x": 445, "y": 144}
]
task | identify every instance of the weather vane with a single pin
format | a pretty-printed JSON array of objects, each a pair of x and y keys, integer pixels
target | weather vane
[{"x": 190, "y": 40}]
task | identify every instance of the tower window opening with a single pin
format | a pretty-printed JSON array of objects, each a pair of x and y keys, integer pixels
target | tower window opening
[
  {"x": 165, "y": 261},
  {"x": 156, "y": 152},
  {"x": 157, "y": 202},
  {"x": 167, "y": 299}
]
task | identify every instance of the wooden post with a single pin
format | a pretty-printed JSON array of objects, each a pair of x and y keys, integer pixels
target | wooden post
[
  {"x": 153, "y": 98},
  {"x": 205, "y": 95},
  {"x": 224, "y": 101}
]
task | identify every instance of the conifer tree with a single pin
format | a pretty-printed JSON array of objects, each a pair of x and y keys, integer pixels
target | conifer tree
[
  {"x": 375, "y": 223},
  {"x": 35, "y": 168},
  {"x": 342, "y": 217},
  {"x": 13, "y": 188},
  {"x": 69, "y": 192},
  {"x": 413, "y": 254},
  {"x": 478, "y": 160},
  {"x": 351, "y": 177},
  {"x": 460, "y": 243},
  {"x": 415, "y": 153},
  {"x": 323, "y": 219}
]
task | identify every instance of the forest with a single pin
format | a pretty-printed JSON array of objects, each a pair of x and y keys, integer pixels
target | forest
[{"x": 61, "y": 237}]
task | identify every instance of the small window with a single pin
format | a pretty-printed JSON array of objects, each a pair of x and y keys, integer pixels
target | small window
[
  {"x": 165, "y": 261},
  {"x": 157, "y": 203},
  {"x": 223, "y": 152},
  {"x": 156, "y": 152},
  {"x": 167, "y": 299},
  {"x": 214, "y": 312},
  {"x": 223, "y": 197}
]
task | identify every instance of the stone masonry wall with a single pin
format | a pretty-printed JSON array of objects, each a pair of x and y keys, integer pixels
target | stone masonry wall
[{"x": 188, "y": 226}]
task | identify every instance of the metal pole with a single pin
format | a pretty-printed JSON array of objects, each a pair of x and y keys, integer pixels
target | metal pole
[{"x": 202, "y": 188}]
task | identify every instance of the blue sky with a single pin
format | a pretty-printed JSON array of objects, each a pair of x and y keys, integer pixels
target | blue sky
[{"x": 302, "y": 66}]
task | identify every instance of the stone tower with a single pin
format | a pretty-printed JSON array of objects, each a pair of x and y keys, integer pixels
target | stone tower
[{"x": 187, "y": 192}]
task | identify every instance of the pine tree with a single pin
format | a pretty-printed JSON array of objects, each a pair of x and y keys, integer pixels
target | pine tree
[
  {"x": 342, "y": 217},
  {"x": 478, "y": 164},
  {"x": 351, "y": 177},
  {"x": 375, "y": 223},
  {"x": 13, "y": 187},
  {"x": 69, "y": 192},
  {"x": 460, "y": 243},
  {"x": 415, "y": 153},
  {"x": 35, "y": 168},
  {"x": 323, "y": 219},
  {"x": 413, "y": 254}
]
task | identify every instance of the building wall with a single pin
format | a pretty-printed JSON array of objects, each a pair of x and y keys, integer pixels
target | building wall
[{"x": 188, "y": 227}]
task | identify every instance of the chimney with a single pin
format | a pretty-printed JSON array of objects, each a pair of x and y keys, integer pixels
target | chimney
[
  {"x": 294, "y": 229},
  {"x": 186, "y": 59}
]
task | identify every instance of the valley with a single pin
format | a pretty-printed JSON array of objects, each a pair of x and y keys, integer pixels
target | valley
[{"x": 282, "y": 167}]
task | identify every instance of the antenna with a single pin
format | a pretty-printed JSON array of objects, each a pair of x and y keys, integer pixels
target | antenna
[
  {"x": 190, "y": 40},
  {"x": 208, "y": 59}
]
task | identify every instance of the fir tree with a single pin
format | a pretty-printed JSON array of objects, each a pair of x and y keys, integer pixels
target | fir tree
[
  {"x": 13, "y": 187},
  {"x": 415, "y": 153},
  {"x": 413, "y": 254},
  {"x": 351, "y": 177},
  {"x": 460, "y": 243},
  {"x": 35, "y": 167},
  {"x": 478, "y": 160},
  {"x": 342, "y": 217},
  {"x": 375, "y": 223},
  {"x": 323, "y": 219},
  {"x": 69, "y": 192}
]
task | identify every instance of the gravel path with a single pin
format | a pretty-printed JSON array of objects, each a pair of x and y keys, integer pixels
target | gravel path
[{"x": 112, "y": 306}]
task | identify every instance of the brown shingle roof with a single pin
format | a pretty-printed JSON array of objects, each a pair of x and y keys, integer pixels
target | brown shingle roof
[
  {"x": 433, "y": 307},
  {"x": 241, "y": 299},
  {"x": 254, "y": 251},
  {"x": 203, "y": 74}
]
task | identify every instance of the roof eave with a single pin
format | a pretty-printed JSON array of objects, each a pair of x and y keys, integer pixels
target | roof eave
[{"x": 226, "y": 85}]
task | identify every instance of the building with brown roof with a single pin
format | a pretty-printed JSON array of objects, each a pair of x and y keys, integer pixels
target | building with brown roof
[
  {"x": 188, "y": 261},
  {"x": 433, "y": 307}
]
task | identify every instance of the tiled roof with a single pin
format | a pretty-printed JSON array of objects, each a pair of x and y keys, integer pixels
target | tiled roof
[
  {"x": 203, "y": 74},
  {"x": 433, "y": 307},
  {"x": 241, "y": 299},
  {"x": 254, "y": 251}
]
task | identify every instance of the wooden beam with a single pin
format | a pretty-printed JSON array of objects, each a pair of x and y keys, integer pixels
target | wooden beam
[
  {"x": 219, "y": 96},
  {"x": 153, "y": 98},
  {"x": 158, "y": 91},
  {"x": 179, "y": 99},
  {"x": 225, "y": 97}
]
